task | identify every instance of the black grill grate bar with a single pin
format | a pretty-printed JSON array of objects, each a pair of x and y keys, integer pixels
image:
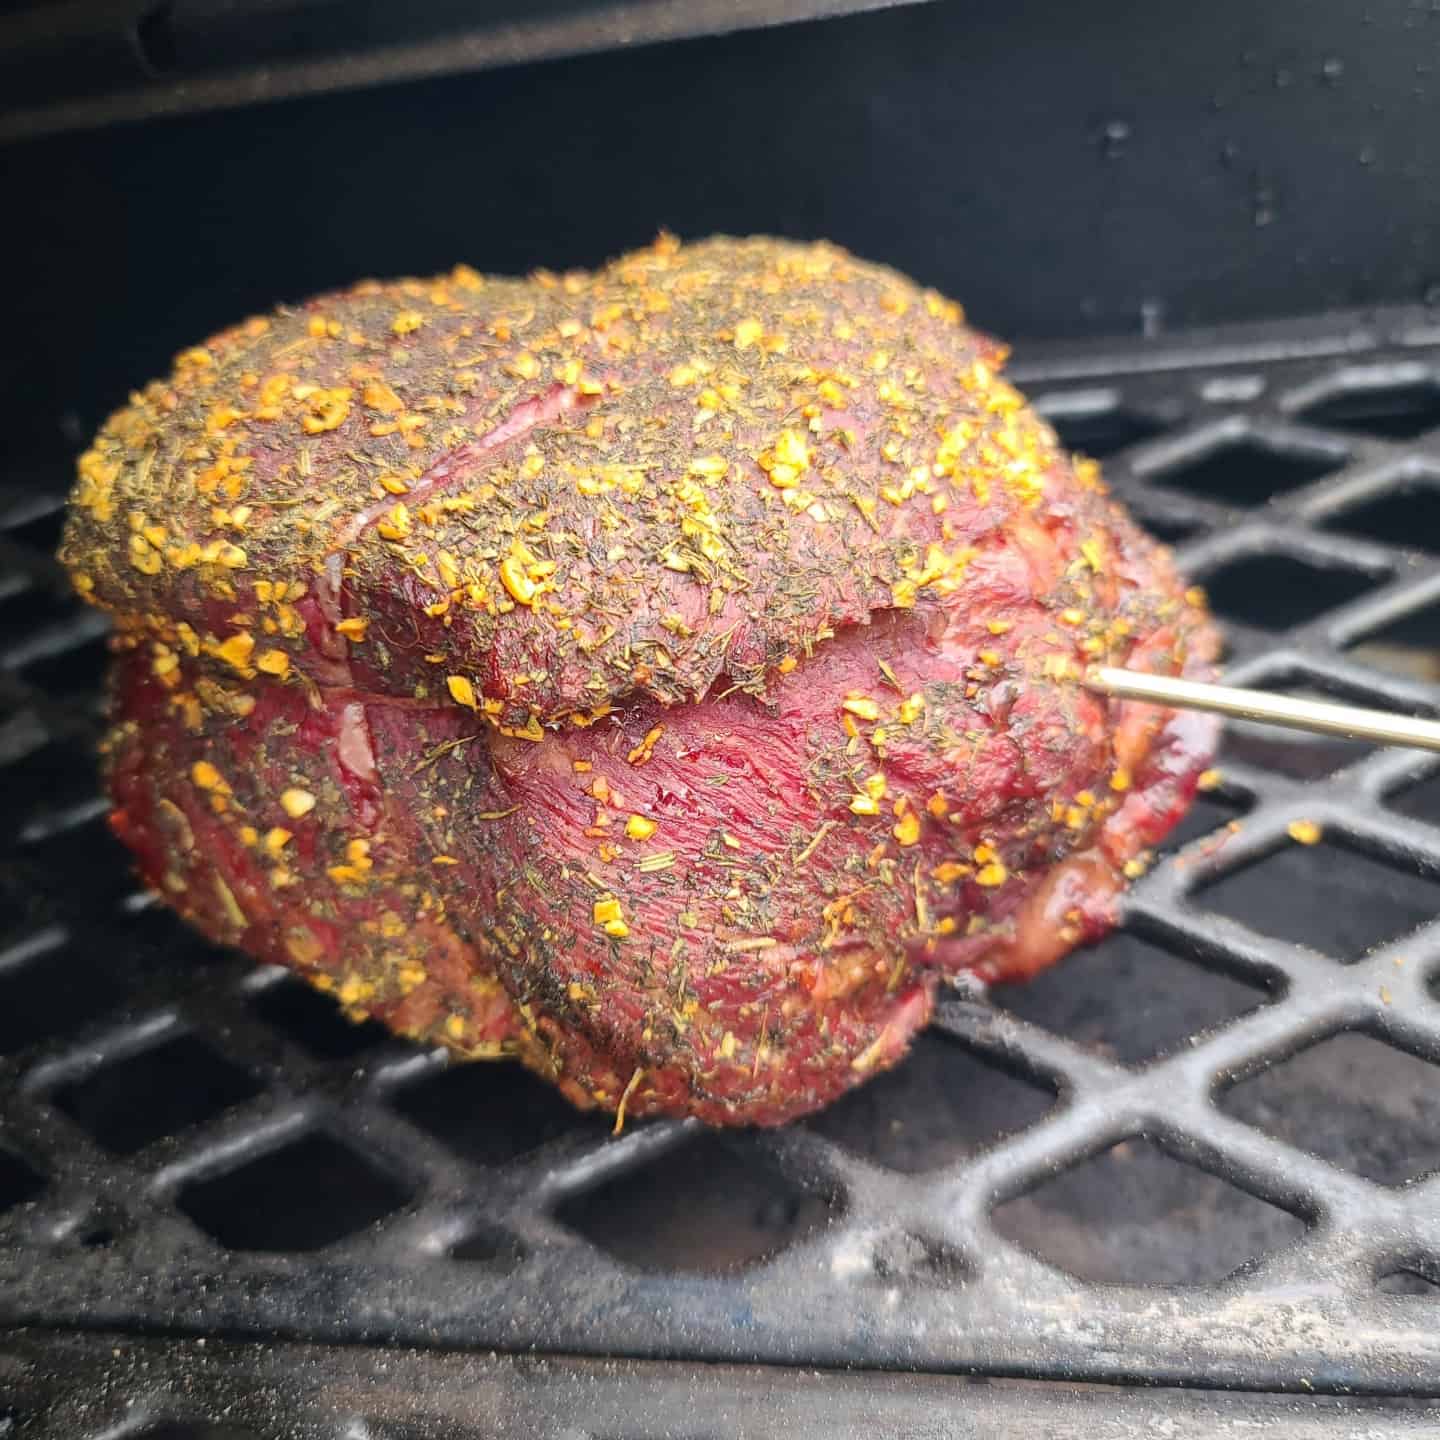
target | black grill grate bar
[
  {"x": 1417, "y": 587},
  {"x": 1367, "y": 479},
  {"x": 1264, "y": 536}
]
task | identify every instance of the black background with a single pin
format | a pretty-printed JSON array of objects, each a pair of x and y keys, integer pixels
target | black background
[{"x": 1062, "y": 169}]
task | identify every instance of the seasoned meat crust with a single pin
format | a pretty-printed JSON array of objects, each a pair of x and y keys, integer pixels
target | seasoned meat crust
[{"x": 666, "y": 675}]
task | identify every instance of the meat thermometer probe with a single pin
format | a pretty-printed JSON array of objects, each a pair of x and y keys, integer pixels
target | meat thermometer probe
[{"x": 1354, "y": 722}]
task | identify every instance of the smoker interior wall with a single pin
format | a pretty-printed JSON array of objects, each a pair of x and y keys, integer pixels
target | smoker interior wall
[{"x": 1063, "y": 168}]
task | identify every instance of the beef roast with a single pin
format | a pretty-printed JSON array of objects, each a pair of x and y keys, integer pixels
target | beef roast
[{"x": 665, "y": 676}]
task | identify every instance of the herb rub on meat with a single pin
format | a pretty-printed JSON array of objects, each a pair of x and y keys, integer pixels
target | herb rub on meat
[{"x": 664, "y": 675}]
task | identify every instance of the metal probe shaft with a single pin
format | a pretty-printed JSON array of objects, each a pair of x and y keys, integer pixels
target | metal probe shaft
[{"x": 1354, "y": 722}]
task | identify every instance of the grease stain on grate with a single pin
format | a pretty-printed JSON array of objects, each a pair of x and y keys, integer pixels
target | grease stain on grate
[
  {"x": 1135, "y": 1215},
  {"x": 1392, "y": 412},
  {"x": 1406, "y": 515},
  {"x": 315, "y": 1022},
  {"x": 1337, "y": 899},
  {"x": 1353, "y": 1100},
  {"x": 716, "y": 1205},
  {"x": 905, "y": 1259},
  {"x": 302, "y": 1196},
  {"x": 1130, "y": 1000},
  {"x": 19, "y": 1181},
  {"x": 971, "y": 1103},
  {"x": 1246, "y": 471},
  {"x": 493, "y": 1111},
  {"x": 160, "y": 1091},
  {"x": 1277, "y": 592}
]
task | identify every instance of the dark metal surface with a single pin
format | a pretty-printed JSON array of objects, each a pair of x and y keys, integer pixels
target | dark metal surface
[
  {"x": 356, "y": 1393},
  {"x": 1063, "y": 169},
  {"x": 1206, "y": 1153},
  {"x": 72, "y": 64}
]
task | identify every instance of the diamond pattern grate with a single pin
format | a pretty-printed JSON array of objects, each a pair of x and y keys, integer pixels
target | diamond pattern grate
[{"x": 1160, "y": 1163}]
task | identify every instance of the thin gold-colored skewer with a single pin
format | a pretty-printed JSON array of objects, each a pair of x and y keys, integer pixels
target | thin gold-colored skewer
[{"x": 1322, "y": 717}]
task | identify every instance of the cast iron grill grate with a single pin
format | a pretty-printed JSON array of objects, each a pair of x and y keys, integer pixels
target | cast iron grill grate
[{"x": 1207, "y": 1151}]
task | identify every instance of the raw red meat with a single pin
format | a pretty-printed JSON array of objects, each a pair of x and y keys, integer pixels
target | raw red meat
[{"x": 666, "y": 676}]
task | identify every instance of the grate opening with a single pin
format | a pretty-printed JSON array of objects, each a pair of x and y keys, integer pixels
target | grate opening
[
  {"x": 1135, "y": 1215},
  {"x": 971, "y": 1104},
  {"x": 42, "y": 532},
  {"x": 315, "y": 1022},
  {"x": 1291, "y": 752},
  {"x": 161, "y": 1091},
  {"x": 1406, "y": 646},
  {"x": 1392, "y": 412},
  {"x": 52, "y": 993},
  {"x": 1130, "y": 1000},
  {"x": 1419, "y": 802},
  {"x": 85, "y": 861},
  {"x": 715, "y": 1206},
  {"x": 491, "y": 1112},
  {"x": 1276, "y": 592},
  {"x": 76, "y": 673},
  {"x": 1353, "y": 1100},
  {"x": 26, "y": 608},
  {"x": 1339, "y": 899},
  {"x": 1104, "y": 433},
  {"x": 488, "y": 1246},
  {"x": 1209, "y": 814},
  {"x": 1247, "y": 471},
  {"x": 1171, "y": 531},
  {"x": 156, "y": 942},
  {"x": 1407, "y": 1282},
  {"x": 23, "y": 909},
  {"x": 303, "y": 1196},
  {"x": 56, "y": 778},
  {"x": 1407, "y": 516},
  {"x": 19, "y": 1182}
]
